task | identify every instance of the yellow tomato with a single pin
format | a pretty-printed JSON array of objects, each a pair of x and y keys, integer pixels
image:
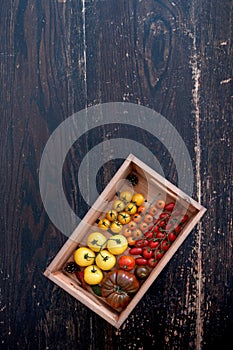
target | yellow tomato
[
  {"x": 124, "y": 218},
  {"x": 111, "y": 215},
  {"x": 105, "y": 260},
  {"x": 93, "y": 275},
  {"x": 138, "y": 199},
  {"x": 126, "y": 196},
  {"x": 84, "y": 256},
  {"x": 96, "y": 241},
  {"x": 104, "y": 224},
  {"x": 117, "y": 244},
  {"x": 118, "y": 205},
  {"x": 116, "y": 227},
  {"x": 131, "y": 208}
]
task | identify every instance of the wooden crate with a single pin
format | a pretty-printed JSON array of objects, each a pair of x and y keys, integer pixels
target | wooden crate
[{"x": 150, "y": 184}]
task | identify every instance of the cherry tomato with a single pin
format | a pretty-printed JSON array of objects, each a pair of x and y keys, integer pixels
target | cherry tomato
[
  {"x": 149, "y": 234},
  {"x": 154, "y": 244},
  {"x": 131, "y": 241},
  {"x": 169, "y": 206},
  {"x": 184, "y": 219},
  {"x": 153, "y": 210},
  {"x": 127, "y": 232},
  {"x": 131, "y": 208},
  {"x": 156, "y": 229},
  {"x": 152, "y": 262},
  {"x": 159, "y": 254},
  {"x": 132, "y": 225},
  {"x": 171, "y": 237},
  {"x": 164, "y": 215},
  {"x": 118, "y": 205},
  {"x": 143, "y": 226},
  {"x": 138, "y": 199},
  {"x": 162, "y": 223},
  {"x": 104, "y": 224},
  {"x": 177, "y": 229},
  {"x": 116, "y": 226},
  {"x": 135, "y": 251},
  {"x": 123, "y": 217},
  {"x": 142, "y": 209},
  {"x": 111, "y": 215},
  {"x": 126, "y": 262},
  {"x": 160, "y": 204},
  {"x": 165, "y": 245},
  {"x": 147, "y": 252},
  {"x": 142, "y": 272},
  {"x": 141, "y": 243},
  {"x": 161, "y": 235},
  {"x": 137, "y": 218},
  {"x": 137, "y": 233},
  {"x": 148, "y": 218},
  {"x": 141, "y": 261}
]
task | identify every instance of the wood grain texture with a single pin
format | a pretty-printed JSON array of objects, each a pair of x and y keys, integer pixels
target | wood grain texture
[{"x": 58, "y": 57}]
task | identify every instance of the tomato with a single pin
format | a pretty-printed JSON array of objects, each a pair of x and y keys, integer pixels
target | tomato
[
  {"x": 123, "y": 217},
  {"x": 164, "y": 216},
  {"x": 105, "y": 260},
  {"x": 149, "y": 234},
  {"x": 160, "y": 204},
  {"x": 156, "y": 229},
  {"x": 116, "y": 227},
  {"x": 141, "y": 261},
  {"x": 127, "y": 232},
  {"x": 118, "y": 205},
  {"x": 135, "y": 251},
  {"x": 142, "y": 272},
  {"x": 111, "y": 215},
  {"x": 137, "y": 233},
  {"x": 159, "y": 254},
  {"x": 126, "y": 262},
  {"x": 141, "y": 243},
  {"x": 184, "y": 219},
  {"x": 118, "y": 287},
  {"x": 169, "y": 206},
  {"x": 138, "y": 199},
  {"x": 148, "y": 218},
  {"x": 152, "y": 262},
  {"x": 165, "y": 245},
  {"x": 131, "y": 208},
  {"x": 161, "y": 235},
  {"x": 132, "y": 225},
  {"x": 131, "y": 241},
  {"x": 93, "y": 275},
  {"x": 171, "y": 237},
  {"x": 96, "y": 241},
  {"x": 143, "y": 226},
  {"x": 162, "y": 223},
  {"x": 154, "y": 244},
  {"x": 126, "y": 196},
  {"x": 137, "y": 218},
  {"x": 117, "y": 244},
  {"x": 153, "y": 210},
  {"x": 147, "y": 252},
  {"x": 142, "y": 209},
  {"x": 177, "y": 229},
  {"x": 84, "y": 256},
  {"x": 104, "y": 224}
]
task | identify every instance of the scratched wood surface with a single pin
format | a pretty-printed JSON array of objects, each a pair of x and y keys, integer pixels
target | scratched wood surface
[{"x": 58, "y": 57}]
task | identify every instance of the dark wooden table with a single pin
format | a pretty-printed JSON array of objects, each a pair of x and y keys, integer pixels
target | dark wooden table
[{"x": 60, "y": 57}]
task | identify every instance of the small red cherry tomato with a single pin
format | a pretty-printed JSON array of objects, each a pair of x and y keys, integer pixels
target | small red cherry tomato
[
  {"x": 164, "y": 216},
  {"x": 141, "y": 243},
  {"x": 126, "y": 262},
  {"x": 169, "y": 206},
  {"x": 184, "y": 219},
  {"x": 161, "y": 235},
  {"x": 159, "y": 254},
  {"x": 135, "y": 251},
  {"x": 141, "y": 261},
  {"x": 154, "y": 244},
  {"x": 149, "y": 234},
  {"x": 171, "y": 237},
  {"x": 152, "y": 262},
  {"x": 177, "y": 229},
  {"x": 162, "y": 223},
  {"x": 165, "y": 245},
  {"x": 156, "y": 229},
  {"x": 147, "y": 252}
]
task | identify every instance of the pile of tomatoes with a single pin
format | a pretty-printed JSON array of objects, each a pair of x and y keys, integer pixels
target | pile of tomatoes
[{"x": 140, "y": 234}]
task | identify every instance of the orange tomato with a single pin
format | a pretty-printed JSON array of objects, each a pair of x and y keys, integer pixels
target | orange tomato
[
  {"x": 131, "y": 240},
  {"x": 137, "y": 218},
  {"x": 132, "y": 225},
  {"x": 142, "y": 209},
  {"x": 148, "y": 218},
  {"x": 137, "y": 233},
  {"x": 160, "y": 204},
  {"x": 153, "y": 210},
  {"x": 143, "y": 226},
  {"x": 127, "y": 232}
]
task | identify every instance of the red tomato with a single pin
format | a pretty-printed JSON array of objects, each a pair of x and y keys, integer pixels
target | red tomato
[
  {"x": 135, "y": 251},
  {"x": 171, "y": 237},
  {"x": 162, "y": 223},
  {"x": 169, "y": 206},
  {"x": 165, "y": 245},
  {"x": 141, "y": 261},
  {"x": 149, "y": 234},
  {"x": 177, "y": 229},
  {"x": 154, "y": 244},
  {"x": 161, "y": 235},
  {"x": 184, "y": 219},
  {"x": 147, "y": 252},
  {"x": 156, "y": 229},
  {"x": 126, "y": 262},
  {"x": 141, "y": 243},
  {"x": 152, "y": 262},
  {"x": 164, "y": 216},
  {"x": 159, "y": 254}
]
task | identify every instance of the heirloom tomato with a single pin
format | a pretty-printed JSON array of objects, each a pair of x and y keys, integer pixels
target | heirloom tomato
[
  {"x": 118, "y": 287},
  {"x": 126, "y": 262},
  {"x": 131, "y": 208},
  {"x": 93, "y": 275},
  {"x": 126, "y": 196},
  {"x": 138, "y": 199},
  {"x": 142, "y": 272},
  {"x": 118, "y": 205},
  {"x": 104, "y": 224},
  {"x": 105, "y": 260},
  {"x": 96, "y": 241},
  {"x": 124, "y": 217},
  {"x": 117, "y": 244},
  {"x": 116, "y": 227},
  {"x": 111, "y": 215},
  {"x": 84, "y": 256}
]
